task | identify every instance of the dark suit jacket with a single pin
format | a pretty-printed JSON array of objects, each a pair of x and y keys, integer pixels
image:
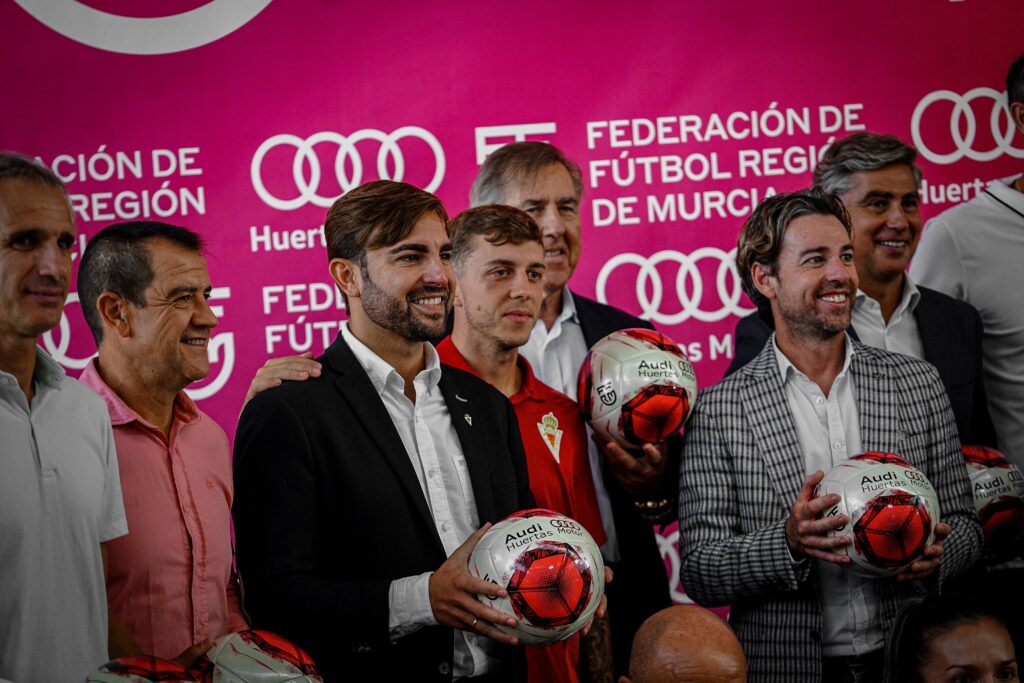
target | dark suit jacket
[
  {"x": 640, "y": 587},
  {"x": 328, "y": 511},
  {"x": 951, "y": 338}
]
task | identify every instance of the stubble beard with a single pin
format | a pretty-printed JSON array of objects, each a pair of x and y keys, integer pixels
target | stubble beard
[{"x": 397, "y": 316}]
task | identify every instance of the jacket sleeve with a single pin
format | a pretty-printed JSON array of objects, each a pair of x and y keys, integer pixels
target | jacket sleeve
[
  {"x": 749, "y": 338},
  {"x": 276, "y": 523},
  {"x": 720, "y": 564},
  {"x": 982, "y": 430}
]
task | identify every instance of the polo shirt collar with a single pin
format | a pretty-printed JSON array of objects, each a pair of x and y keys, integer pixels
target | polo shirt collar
[
  {"x": 48, "y": 372},
  {"x": 531, "y": 385},
  {"x": 185, "y": 410}
]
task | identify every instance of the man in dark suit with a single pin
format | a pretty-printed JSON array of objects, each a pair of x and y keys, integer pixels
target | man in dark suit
[
  {"x": 876, "y": 178},
  {"x": 360, "y": 493},
  {"x": 634, "y": 489},
  {"x": 752, "y": 534}
]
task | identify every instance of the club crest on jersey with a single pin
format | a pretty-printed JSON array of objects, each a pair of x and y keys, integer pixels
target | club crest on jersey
[{"x": 551, "y": 434}]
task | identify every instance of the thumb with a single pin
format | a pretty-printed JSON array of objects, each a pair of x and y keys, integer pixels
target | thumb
[
  {"x": 193, "y": 652},
  {"x": 307, "y": 354},
  {"x": 467, "y": 546}
]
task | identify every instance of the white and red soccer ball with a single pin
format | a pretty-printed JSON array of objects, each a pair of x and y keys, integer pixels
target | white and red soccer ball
[
  {"x": 998, "y": 488},
  {"x": 141, "y": 669},
  {"x": 551, "y": 568},
  {"x": 636, "y": 386},
  {"x": 249, "y": 656},
  {"x": 892, "y": 510}
]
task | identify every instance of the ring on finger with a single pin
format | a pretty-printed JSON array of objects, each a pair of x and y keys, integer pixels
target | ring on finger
[{"x": 472, "y": 626}]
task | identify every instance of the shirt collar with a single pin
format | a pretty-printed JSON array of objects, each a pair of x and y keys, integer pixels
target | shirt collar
[
  {"x": 568, "y": 306},
  {"x": 908, "y": 300},
  {"x": 48, "y": 372},
  {"x": 1003, "y": 190},
  {"x": 450, "y": 355},
  {"x": 185, "y": 410},
  {"x": 381, "y": 372},
  {"x": 787, "y": 370}
]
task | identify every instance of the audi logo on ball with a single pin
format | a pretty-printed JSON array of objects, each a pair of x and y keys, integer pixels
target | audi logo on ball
[
  {"x": 963, "y": 127},
  {"x": 689, "y": 285},
  {"x": 564, "y": 524},
  {"x": 348, "y": 163}
]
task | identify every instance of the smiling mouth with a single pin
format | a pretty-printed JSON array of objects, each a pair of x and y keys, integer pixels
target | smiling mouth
[
  {"x": 835, "y": 298},
  {"x": 429, "y": 300},
  {"x": 553, "y": 253},
  {"x": 196, "y": 341},
  {"x": 893, "y": 244}
]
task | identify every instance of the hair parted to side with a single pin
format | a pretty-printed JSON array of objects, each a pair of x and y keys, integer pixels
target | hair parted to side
[
  {"x": 117, "y": 260},
  {"x": 516, "y": 161},
  {"x": 496, "y": 223},
  {"x": 16, "y": 166},
  {"x": 760, "y": 239},
  {"x": 376, "y": 214},
  {"x": 918, "y": 623},
  {"x": 1015, "y": 82},
  {"x": 862, "y": 152}
]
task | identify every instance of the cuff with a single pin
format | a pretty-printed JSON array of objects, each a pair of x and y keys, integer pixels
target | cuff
[{"x": 409, "y": 605}]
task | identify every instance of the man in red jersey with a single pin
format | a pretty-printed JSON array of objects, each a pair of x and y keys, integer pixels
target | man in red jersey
[{"x": 499, "y": 265}]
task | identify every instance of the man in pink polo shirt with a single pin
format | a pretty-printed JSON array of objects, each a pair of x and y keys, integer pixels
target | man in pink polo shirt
[{"x": 144, "y": 290}]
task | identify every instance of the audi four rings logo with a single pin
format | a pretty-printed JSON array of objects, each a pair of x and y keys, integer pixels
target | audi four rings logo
[
  {"x": 347, "y": 156},
  {"x": 999, "y": 121},
  {"x": 688, "y": 282}
]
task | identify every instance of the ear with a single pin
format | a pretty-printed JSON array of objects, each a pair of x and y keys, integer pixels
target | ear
[
  {"x": 1017, "y": 114},
  {"x": 347, "y": 275},
  {"x": 766, "y": 283},
  {"x": 116, "y": 314}
]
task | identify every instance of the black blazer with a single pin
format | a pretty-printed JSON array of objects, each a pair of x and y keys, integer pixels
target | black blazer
[
  {"x": 328, "y": 511},
  {"x": 640, "y": 587},
  {"x": 951, "y": 339}
]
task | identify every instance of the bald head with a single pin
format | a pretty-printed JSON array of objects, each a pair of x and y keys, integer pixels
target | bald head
[{"x": 686, "y": 643}]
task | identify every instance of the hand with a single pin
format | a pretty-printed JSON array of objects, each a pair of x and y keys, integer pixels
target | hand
[
  {"x": 453, "y": 592},
  {"x": 191, "y": 654},
  {"x": 930, "y": 559},
  {"x": 602, "y": 607},
  {"x": 277, "y": 370},
  {"x": 641, "y": 475},
  {"x": 806, "y": 535}
]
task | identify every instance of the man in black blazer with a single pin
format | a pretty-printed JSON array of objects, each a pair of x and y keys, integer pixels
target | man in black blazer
[
  {"x": 359, "y": 493},
  {"x": 635, "y": 489},
  {"x": 876, "y": 178}
]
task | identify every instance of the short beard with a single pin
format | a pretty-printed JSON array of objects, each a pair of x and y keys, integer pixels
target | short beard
[{"x": 397, "y": 316}]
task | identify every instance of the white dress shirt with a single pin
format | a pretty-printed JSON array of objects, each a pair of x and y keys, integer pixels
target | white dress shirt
[
  {"x": 435, "y": 452},
  {"x": 828, "y": 431},
  {"x": 900, "y": 334},
  {"x": 556, "y": 356}
]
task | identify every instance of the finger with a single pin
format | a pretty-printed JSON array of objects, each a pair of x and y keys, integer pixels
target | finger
[
  {"x": 836, "y": 558},
  {"x": 942, "y": 530},
  {"x": 609, "y": 575},
  {"x": 824, "y": 542},
  {"x": 935, "y": 550},
  {"x": 653, "y": 456},
  {"x": 494, "y": 633},
  {"x": 477, "y": 586},
  {"x": 816, "y": 506},
  {"x": 820, "y": 526},
  {"x": 279, "y": 366},
  {"x": 602, "y": 607},
  {"x": 807, "y": 490},
  {"x": 617, "y": 457}
]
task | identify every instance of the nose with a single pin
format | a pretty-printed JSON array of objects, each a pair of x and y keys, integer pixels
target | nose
[
  {"x": 897, "y": 216},
  {"x": 523, "y": 287},
  {"x": 437, "y": 271},
  {"x": 53, "y": 261},
  {"x": 840, "y": 271},
  {"x": 551, "y": 223},
  {"x": 204, "y": 315}
]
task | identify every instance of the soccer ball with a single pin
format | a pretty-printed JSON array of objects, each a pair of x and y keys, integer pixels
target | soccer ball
[
  {"x": 635, "y": 387},
  {"x": 140, "y": 669},
  {"x": 998, "y": 487},
  {"x": 249, "y": 656},
  {"x": 551, "y": 569},
  {"x": 892, "y": 508}
]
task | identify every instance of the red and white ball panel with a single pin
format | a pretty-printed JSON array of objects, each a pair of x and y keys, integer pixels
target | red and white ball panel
[
  {"x": 636, "y": 386},
  {"x": 998, "y": 489},
  {"x": 255, "y": 657},
  {"x": 551, "y": 568}
]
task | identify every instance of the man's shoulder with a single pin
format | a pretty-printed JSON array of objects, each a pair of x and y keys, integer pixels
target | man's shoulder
[
  {"x": 945, "y": 304},
  {"x": 606, "y": 313},
  {"x": 78, "y": 399},
  {"x": 470, "y": 384},
  {"x": 900, "y": 366}
]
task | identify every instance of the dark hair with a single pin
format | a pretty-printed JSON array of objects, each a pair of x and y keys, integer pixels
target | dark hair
[
  {"x": 117, "y": 260},
  {"x": 497, "y": 224},
  {"x": 918, "y": 623},
  {"x": 862, "y": 152},
  {"x": 15, "y": 166},
  {"x": 376, "y": 214},
  {"x": 516, "y": 161},
  {"x": 1015, "y": 82},
  {"x": 760, "y": 239}
]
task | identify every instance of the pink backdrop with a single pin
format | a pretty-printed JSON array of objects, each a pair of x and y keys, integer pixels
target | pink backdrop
[{"x": 243, "y": 120}]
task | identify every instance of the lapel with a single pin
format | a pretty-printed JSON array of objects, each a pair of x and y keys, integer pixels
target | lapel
[
  {"x": 767, "y": 411},
  {"x": 470, "y": 431},
  {"x": 931, "y": 328},
  {"x": 362, "y": 398},
  {"x": 878, "y": 402}
]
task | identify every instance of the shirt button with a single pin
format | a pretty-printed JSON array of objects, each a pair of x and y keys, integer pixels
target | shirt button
[
  {"x": 819, "y": 400},
  {"x": 444, "y": 526},
  {"x": 443, "y": 669},
  {"x": 837, "y": 445},
  {"x": 431, "y": 473}
]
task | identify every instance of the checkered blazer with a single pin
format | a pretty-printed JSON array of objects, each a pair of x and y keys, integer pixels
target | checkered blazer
[{"x": 741, "y": 471}]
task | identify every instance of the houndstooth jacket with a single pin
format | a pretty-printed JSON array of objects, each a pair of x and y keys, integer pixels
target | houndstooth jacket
[{"x": 741, "y": 471}]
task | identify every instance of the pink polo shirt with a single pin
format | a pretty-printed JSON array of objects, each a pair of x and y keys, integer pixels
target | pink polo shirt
[{"x": 169, "y": 580}]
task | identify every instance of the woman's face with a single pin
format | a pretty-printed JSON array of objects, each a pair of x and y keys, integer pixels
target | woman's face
[{"x": 980, "y": 652}]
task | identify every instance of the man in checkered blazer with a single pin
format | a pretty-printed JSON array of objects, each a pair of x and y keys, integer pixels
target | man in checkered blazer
[{"x": 759, "y": 441}]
